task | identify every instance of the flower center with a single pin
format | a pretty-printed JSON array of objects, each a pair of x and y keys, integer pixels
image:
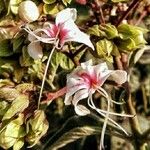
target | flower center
[
  {"x": 90, "y": 80},
  {"x": 58, "y": 32}
]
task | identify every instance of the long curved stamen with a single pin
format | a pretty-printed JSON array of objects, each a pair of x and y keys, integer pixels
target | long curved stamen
[
  {"x": 112, "y": 113},
  {"x": 102, "y": 114},
  {"x": 102, "y": 92},
  {"x": 42, "y": 39},
  {"x": 104, "y": 125}
]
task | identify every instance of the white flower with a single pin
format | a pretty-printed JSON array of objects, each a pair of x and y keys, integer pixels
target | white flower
[
  {"x": 84, "y": 81},
  {"x": 62, "y": 31}
]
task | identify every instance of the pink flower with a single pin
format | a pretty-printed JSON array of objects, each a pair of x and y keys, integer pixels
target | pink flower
[
  {"x": 64, "y": 30},
  {"x": 84, "y": 81}
]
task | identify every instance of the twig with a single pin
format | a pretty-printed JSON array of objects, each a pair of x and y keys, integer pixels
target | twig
[{"x": 127, "y": 12}]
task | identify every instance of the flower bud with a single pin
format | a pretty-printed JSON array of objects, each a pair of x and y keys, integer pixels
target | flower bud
[{"x": 28, "y": 11}]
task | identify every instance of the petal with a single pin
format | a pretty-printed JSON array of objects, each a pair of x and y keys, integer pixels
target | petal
[
  {"x": 68, "y": 100},
  {"x": 74, "y": 34},
  {"x": 119, "y": 76},
  {"x": 35, "y": 50},
  {"x": 87, "y": 63},
  {"x": 81, "y": 110},
  {"x": 71, "y": 91},
  {"x": 65, "y": 15},
  {"x": 82, "y": 94}
]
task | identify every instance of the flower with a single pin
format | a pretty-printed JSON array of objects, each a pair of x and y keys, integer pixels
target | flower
[
  {"x": 64, "y": 30},
  {"x": 84, "y": 81}
]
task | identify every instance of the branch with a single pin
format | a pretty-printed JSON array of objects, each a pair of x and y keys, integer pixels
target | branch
[{"x": 127, "y": 12}]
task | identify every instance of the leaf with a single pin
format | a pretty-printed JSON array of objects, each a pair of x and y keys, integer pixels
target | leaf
[
  {"x": 8, "y": 93},
  {"x": 18, "y": 144},
  {"x": 17, "y": 43},
  {"x": 65, "y": 62},
  {"x": 104, "y": 48},
  {"x": 127, "y": 31},
  {"x": 25, "y": 87},
  {"x": 25, "y": 60},
  {"x": 17, "y": 106},
  {"x": 110, "y": 31},
  {"x": 12, "y": 132},
  {"x": 5, "y": 48},
  {"x": 75, "y": 128},
  {"x": 126, "y": 45},
  {"x": 65, "y": 2},
  {"x": 3, "y": 107},
  {"x": 14, "y": 4},
  {"x": 50, "y": 9},
  {"x": 137, "y": 54},
  {"x": 94, "y": 30},
  {"x": 49, "y": 1},
  {"x": 73, "y": 135}
]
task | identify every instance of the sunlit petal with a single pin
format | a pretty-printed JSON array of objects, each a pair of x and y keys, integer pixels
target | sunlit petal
[
  {"x": 81, "y": 110},
  {"x": 35, "y": 50},
  {"x": 65, "y": 15},
  {"x": 76, "y": 35}
]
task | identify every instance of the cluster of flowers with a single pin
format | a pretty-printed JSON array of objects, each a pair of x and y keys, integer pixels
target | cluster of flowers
[{"x": 86, "y": 79}]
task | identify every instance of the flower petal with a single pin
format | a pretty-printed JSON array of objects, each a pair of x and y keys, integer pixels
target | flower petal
[
  {"x": 81, "y": 110},
  {"x": 35, "y": 50},
  {"x": 65, "y": 15},
  {"x": 74, "y": 34},
  {"x": 119, "y": 76},
  {"x": 82, "y": 94}
]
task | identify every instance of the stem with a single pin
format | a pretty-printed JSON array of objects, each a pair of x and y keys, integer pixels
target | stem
[
  {"x": 127, "y": 12},
  {"x": 97, "y": 9},
  {"x": 135, "y": 127},
  {"x": 45, "y": 73}
]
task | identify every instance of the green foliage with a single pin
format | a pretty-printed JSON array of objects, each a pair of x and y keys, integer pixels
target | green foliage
[
  {"x": 5, "y": 48},
  {"x": 125, "y": 38},
  {"x": 14, "y": 128},
  {"x": 18, "y": 105},
  {"x": 50, "y": 9}
]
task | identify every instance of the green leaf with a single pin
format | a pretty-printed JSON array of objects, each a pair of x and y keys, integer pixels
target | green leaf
[
  {"x": 94, "y": 30},
  {"x": 14, "y": 4},
  {"x": 126, "y": 45},
  {"x": 18, "y": 105},
  {"x": 110, "y": 31},
  {"x": 104, "y": 48},
  {"x": 5, "y": 48},
  {"x": 50, "y": 9},
  {"x": 49, "y": 1},
  {"x": 25, "y": 87},
  {"x": 17, "y": 43},
  {"x": 75, "y": 134},
  {"x": 25, "y": 59},
  {"x": 39, "y": 126},
  {"x": 18, "y": 144},
  {"x": 65, "y": 62},
  {"x": 65, "y": 2},
  {"x": 3, "y": 107},
  {"x": 127, "y": 31},
  {"x": 12, "y": 132},
  {"x": 8, "y": 93},
  {"x": 75, "y": 128}
]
